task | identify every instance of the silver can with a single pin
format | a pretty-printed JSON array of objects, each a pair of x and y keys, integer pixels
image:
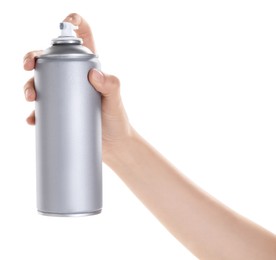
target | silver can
[{"x": 68, "y": 129}]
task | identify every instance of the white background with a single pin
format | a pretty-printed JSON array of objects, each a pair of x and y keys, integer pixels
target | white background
[{"x": 198, "y": 82}]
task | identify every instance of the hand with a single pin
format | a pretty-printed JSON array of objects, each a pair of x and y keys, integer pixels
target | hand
[{"x": 115, "y": 125}]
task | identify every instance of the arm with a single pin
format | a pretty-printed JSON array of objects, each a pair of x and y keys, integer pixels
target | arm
[{"x": 206, "y": 227}]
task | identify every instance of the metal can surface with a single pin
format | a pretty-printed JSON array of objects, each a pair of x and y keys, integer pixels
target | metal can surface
[{"x": 68, "y": 131}]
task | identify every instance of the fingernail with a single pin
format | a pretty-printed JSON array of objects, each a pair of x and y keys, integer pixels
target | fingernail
[
  {"x": 73, "y": 18},
  {"x": 27, "y": 61},
  {"x": 97, "y": 76},
  {"x": 69, "y": 18},
  {"x": 28, "y": 93}
]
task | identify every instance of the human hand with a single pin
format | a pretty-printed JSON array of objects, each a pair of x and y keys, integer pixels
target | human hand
[{"x": 115, "y": 125}]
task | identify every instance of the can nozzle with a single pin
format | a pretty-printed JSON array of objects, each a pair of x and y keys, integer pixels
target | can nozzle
[
  {"x": 67, "y": 36},
  {"x": 67, "y": 29}
]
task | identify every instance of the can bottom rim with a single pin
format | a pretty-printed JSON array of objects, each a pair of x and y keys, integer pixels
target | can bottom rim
[{"x": 81, "y": 214}]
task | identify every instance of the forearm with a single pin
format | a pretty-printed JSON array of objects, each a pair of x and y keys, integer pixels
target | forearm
[{"x": 205, "y": 226}]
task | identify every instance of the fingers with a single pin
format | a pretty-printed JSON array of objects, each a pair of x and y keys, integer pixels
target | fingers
[
  {"x": 31, "y": 118},
  {"x": 29, "y": 90},
  {"x": 83, "y": 30},
  {"x": 29, "y": 59}
]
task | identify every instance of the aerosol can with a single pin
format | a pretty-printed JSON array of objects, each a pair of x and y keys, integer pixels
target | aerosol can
[{"x": 68, "y": 129}]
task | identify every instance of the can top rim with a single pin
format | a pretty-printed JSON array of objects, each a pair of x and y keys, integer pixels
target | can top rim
[{"x": 67, "y": 40}]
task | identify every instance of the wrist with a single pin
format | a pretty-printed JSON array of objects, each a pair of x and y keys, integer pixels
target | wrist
[{"x": 117, "y": 150}]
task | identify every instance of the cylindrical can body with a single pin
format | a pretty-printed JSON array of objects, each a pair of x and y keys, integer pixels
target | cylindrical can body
[{"x": 68, "y": 133}]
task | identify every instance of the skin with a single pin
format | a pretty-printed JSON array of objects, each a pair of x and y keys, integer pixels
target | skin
[{"x": 209, "y": 229}]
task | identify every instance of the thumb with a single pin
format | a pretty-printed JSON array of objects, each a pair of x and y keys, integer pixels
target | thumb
[{"x": 108, "y": 86}]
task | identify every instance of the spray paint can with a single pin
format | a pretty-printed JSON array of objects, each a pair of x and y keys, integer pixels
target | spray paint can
[{"x": 68, "y": 129}]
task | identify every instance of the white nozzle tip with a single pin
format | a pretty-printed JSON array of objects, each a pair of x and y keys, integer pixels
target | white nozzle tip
[{"x": 67, "y": 29}]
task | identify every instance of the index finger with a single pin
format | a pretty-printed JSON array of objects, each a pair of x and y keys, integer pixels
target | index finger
[
  {"x": 83, "y": 30},
  {"x": 29, "y": 59}
]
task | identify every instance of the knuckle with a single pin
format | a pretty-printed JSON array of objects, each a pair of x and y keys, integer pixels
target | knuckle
[
  {"x": 115, "y": 82},
  {"x": 32, "y": 54}
]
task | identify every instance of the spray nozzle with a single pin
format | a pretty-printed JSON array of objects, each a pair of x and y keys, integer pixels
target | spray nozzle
[
  {"x": 67, "y": 29},
  {"x": 67, "y": 36}
]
